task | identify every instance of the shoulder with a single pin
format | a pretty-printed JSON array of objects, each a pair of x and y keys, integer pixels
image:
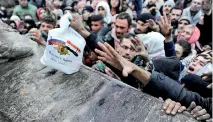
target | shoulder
[
  {"x": 32, "y": 6},
  {"x": 17, "y": 7}
]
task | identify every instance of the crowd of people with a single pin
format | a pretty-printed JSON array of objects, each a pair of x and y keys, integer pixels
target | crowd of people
[{"x": 161, "y": 47}]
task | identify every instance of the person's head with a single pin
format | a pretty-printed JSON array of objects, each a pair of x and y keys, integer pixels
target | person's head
[
  {"x": 124, "y": 5},
  {"x": 201, "y": 60},
  {"x": 40, "y": 12},
  {"x": 187, "y": 32},
  {"x": 182, "y": 49},
  {"x": 132, "y": 5},
  {"x": 67, "y": 10},
  {"x": 176, "y": 13},
  {"x": 87, "y": 12},
  {"x": 74, "y": 5},
  {"x": 127, "y": 47},
  {"x": 142, "y": 24},
  {"x": 57, "y": 3},
  {"x": 123, "y": 24},
  {"x": 29, "y": 24},
  {"x": 48, "y": 22},
  {"x": 206, "y": 5},
  {"x": 168, "y": 5},
  {"x": 23, "y": 3},
  {"x": 115, "y": 4},
  {"x": 151, "y": 2},
  {"x": 183, "y": 21},
  {"x": 97, "y": 22},
  {"x": 27, "y": 16},
  {"x": 154, "y": 44},
  {"x": 20, "y": 27},
  {"x": 15, "y": 18},
  {"x": 94, "y": 3},
  {"x": 80, "y": 6},
  {"x": 103, "y": 8},
  {"x": 196, "y": 5}
]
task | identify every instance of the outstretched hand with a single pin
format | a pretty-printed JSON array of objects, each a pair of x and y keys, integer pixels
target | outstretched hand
[
  {"x": 110, "y": 56},
  {"x": 172, "y": 107},
  {"x": 165, "y": 25}
]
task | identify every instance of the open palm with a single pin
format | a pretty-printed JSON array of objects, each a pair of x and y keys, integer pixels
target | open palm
[{"x": 109, "y": 55}]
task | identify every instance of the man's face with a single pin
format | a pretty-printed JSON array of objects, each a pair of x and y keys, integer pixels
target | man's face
[
  {"x": 45, "y": 27},
  {"x": 206, "y": 5},
  {"x": 141, "y": 27},
  {"x": 186, "y": 33},
  {"x": 167, "y": 9},
  {"x": 124, "y": 5},
  {"x": 197, "y": 65},
  {"x": 23, "y": 3},
  {"x": 86, "y": 15},
  {"x": 121, "y": 27},
  {"x": 151, "y": 2},
  {"x": 175, "y": 14},
  {"x": 57, "y": 3},
  {"x": 196, "y": 5},
  {"x": 127, "y": 49},
  {"x": 182, "y": 24},
  {"x": 96, "y": 26}
]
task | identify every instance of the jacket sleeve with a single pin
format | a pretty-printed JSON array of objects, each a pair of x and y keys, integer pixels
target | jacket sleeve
[
  {"x": 92, "y": 41},
  {"x": 163, "y": 86},
  {"x": 169, "y": 48}
]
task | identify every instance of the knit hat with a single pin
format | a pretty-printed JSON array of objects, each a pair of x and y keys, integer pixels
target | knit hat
[
  {"x": 88, "y": 8},
  {"x": 145, "y": 16},
  {"x": 154, "y": 43},
  {"x": 187, "y": 18},
  {"x": 15, "y": 18},
  {"x": 193, "y": 40},
  {"x": 170, "y": 2}
]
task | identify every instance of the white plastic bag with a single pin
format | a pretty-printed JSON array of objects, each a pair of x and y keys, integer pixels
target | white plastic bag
[{"x": 64, "y": 48}]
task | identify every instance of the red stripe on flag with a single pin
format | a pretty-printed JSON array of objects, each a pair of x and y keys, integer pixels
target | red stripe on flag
[{"x": 75, "y": 47}]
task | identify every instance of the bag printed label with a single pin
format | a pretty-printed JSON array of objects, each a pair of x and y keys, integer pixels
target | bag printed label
[{"x": 64, "y": 51}]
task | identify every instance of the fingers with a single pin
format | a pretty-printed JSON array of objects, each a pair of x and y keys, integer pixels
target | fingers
[
  {"x": 170, "y": 107},
  {"x": 200, "y": 113},
  {"x": 169, "y": 19},
  {"x": 204, "y": 117},
  {"x": 165, "y": 18},
  {"x": 136, "y": 40},
  {"x": 104, "y": 48},
  {"x": 176, "y": 108},
  {"x": 161, "y": 23},
  {"x": 191, "y": 107},
  {"x": 181, "y": 109},
  {"x": 196, "y": 109},
  {"x": 209, "y": 86},
  {"x": 166, "y": 104},
  {"x": 102, "y": 54},
  {"x": 209, "y": 120},
  {"x": 102, "y": 59},
  {"x": 112, "y": 51}
]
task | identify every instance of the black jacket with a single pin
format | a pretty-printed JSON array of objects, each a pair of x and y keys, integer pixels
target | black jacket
[{"x": 163, "y": 86}]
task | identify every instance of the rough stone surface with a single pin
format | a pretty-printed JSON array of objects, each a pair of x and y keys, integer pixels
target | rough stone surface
[{"x": 31, "y": 92}]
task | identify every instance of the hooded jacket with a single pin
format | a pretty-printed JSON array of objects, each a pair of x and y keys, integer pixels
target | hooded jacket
[{"x": 105, "y": 5}]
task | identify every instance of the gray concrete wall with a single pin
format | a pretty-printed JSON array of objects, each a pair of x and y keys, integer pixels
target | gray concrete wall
[{"x": 31, "y": 92}]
